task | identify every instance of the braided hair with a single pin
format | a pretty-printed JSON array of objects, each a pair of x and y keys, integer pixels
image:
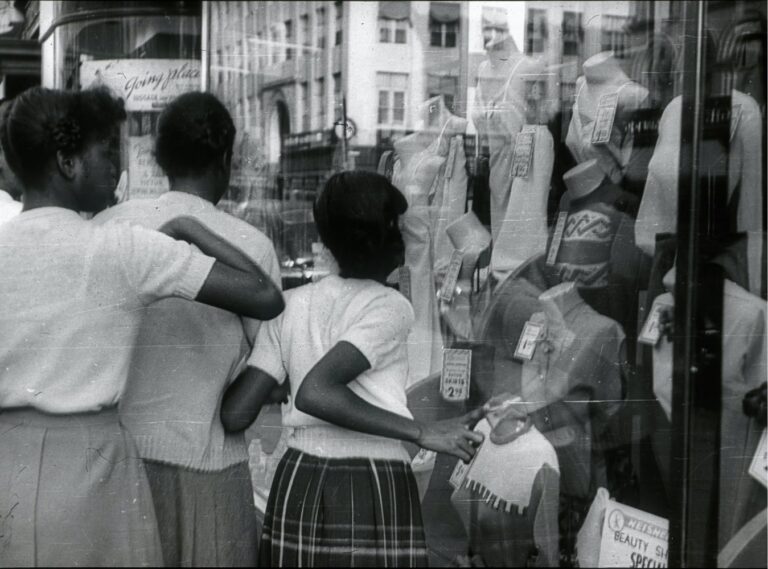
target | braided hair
[
  {"x": 194, "y": 131},
  {"x": 356, "y": 215},
  {"x": 42, "y": 122}
]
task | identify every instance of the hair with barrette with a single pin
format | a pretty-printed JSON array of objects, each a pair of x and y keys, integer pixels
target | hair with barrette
[
  {"x": 42, "y": 122},
  {"x": 194, "y": 131}
]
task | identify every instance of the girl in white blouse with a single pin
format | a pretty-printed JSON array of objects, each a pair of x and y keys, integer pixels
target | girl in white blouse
[
  {"x": 344, "y": 494},
  {"x": 72, "y": 488}
]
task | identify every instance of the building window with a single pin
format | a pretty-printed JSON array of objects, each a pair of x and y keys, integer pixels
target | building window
[
  {"x": 536, "y": 31},
  {"x": 573, "y": 32},
  {"x": 304, "y": 106},
  {"x": 274, "y": 48},
  {"x": 320, "y": 26},
  {"x": 393, "y": 31},
  {"x": 288, "y": 39},
  {"x": 443, "y": 24},
  {"x": 392, "y": 90},
  {"x": 306, "y": 35},
  {"x": 320, "y": 103},
  {"x": 443, "y": 35},
  {"x": 612, "y": 35},
  {"x": 337, "y": 97},
  {"x": 339, "y": 8}
]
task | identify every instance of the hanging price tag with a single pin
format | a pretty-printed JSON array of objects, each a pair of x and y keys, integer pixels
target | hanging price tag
[
  {"x": 526, "y": 345},
  {"x": 606, "y": 112},
  {"x": 651, "y": 334},
  {"x": 454, "y": 381},
  {"x": 759, "y": 467},
  {"x": 557, "y": 237},
  {"x": 451, "y": 277},
  {"x": 523, "y": 156},
  {"x": 404, "y": 281}
]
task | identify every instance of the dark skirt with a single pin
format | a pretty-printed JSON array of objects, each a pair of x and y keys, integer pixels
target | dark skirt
[
  {"x": 73, "y": 492},
  {"x": 342, "y": 513},
  {"x": 206, "y": 519}
]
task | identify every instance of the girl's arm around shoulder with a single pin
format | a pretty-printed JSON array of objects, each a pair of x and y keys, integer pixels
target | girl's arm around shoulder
[{"x": 235, "y": 282}]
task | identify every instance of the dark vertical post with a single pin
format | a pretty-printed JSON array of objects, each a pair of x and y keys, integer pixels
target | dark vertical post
[{"x": 697, "y": 390}]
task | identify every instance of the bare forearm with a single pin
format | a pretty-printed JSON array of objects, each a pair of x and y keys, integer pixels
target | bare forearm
[{"x": 339, "y": 405}]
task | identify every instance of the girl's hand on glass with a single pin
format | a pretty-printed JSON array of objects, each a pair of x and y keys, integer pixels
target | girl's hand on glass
[{"x": 453, "y": 436}]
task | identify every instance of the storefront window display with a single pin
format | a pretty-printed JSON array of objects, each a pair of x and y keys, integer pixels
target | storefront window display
[
  {"x": 550, "y": 152},
  {"x": 585, "y": 239}
]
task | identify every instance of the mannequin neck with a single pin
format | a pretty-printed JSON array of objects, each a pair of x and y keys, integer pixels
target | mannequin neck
[
  {"x": 584, "y": 178},
  {"x": 558, "y": 301},
  {"x": 603, "y": 68}
]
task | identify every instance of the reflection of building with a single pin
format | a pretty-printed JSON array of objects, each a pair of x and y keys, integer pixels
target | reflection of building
[{"x": 283, "y": 67}]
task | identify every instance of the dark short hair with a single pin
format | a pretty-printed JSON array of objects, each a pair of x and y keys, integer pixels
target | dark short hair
[
  {"x": 356, "y": 217},
  {"x": 194, "y": 131},
  {"x": 41, "y": 122}
]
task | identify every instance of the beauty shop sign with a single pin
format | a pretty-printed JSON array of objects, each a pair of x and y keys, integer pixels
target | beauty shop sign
[
  {"x": 145, "y": 84},
  {"x": 633, "y": 538}
]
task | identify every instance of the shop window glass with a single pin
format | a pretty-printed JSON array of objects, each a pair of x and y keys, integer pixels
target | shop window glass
[{"x": 533, "y": 75}]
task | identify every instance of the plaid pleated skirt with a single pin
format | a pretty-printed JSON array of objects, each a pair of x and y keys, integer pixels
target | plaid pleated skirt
[{"x": 342, "y": 513}]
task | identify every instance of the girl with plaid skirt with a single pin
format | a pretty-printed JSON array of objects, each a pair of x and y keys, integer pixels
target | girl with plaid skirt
[{"x": 344, "y": 493}]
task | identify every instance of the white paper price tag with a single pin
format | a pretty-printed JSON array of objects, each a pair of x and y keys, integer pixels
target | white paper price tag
[
  {"x": 557, "y": 238},
  {"x": 633, "y": 538},
  {"x": 651, "y": 334},
  {"x": 458, "y": 475},
  {"x": 404, "y": 281},
  {"x": 423, "y": 457},
  {"x": 606, "y": 112},
  {"x": 451, "y": 277},
  {"x": 454, "y": 381},
  {"x": 759, "y": 467},
  {"x": 526, "y": 345},
  {"x": 523, "y": 156}
]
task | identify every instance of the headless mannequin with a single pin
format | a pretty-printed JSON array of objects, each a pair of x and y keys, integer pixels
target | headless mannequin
[
  {"x": 420, "y": 175},
  {"x": 603, "y": 76},
  {"x": 584, "y": 178},
  {"x": 500, "y": 112},
  {"x": 471, "y": 238}
]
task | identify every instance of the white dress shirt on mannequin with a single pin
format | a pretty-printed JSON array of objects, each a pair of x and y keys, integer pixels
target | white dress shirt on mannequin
[
  {"x": 603, "y": 76},
  {"x": 658, "y": 208},
  {"x": 9, "y": 208}
]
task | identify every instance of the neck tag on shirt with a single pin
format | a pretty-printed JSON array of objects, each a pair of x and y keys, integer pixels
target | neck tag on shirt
[
  {"x": 451, "y": 277},
  {"x": 759, "y": 467},
  {"x": 454, "y": 380},
  {"x": 451, "y": 158},
  {"x": 606, "y": 112},
  {"x": 404, "y": 281},
  {"x": 735, "y": 119},
  {"x": 651, "y": 333},
  {"x": 557, "y": 237},
  {"x": 523, "y": 156},
  {"x": 529, "y": 339}
]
